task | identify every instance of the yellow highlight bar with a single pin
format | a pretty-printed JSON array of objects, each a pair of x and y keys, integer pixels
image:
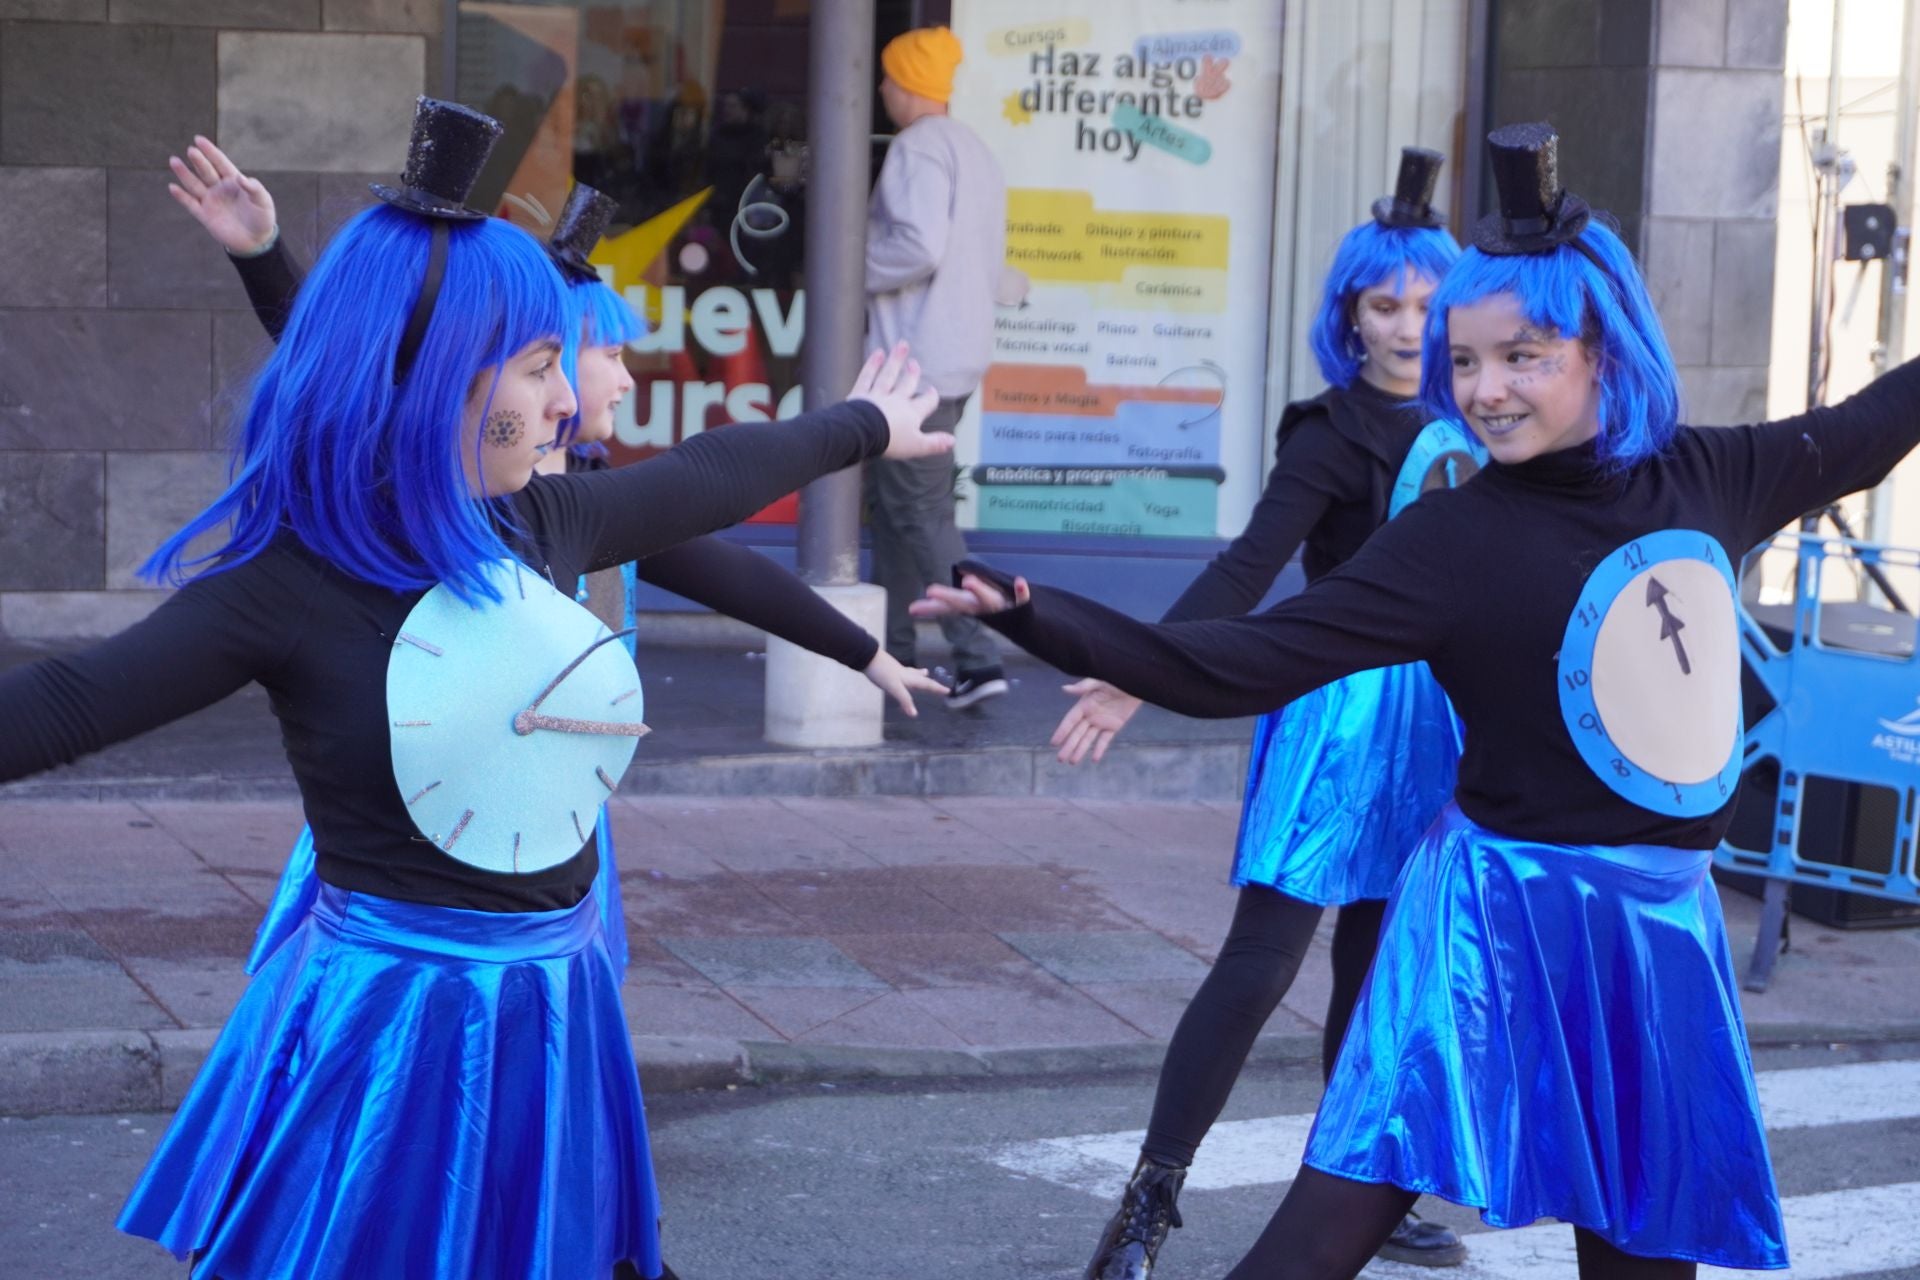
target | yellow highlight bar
[
  {"x": 1059, "y": 236},
  {"x": 1032, "y": 37}
]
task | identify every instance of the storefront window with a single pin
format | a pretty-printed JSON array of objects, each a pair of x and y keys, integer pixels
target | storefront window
[{"x": 691, "y": 114}]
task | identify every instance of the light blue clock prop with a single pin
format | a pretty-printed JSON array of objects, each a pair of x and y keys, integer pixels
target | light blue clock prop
[
  {"x": 1650, "y": 674},
  {"x": 1445, "y": 455},
  {"x": 511, "y": 723}
]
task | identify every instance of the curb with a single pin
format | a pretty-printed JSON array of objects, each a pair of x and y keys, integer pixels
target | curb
[
  {"x": 96, "y": 1072},
  {"x": 1173, "y": 772}
]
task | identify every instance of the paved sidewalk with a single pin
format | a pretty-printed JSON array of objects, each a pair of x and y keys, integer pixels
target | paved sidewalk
[{"x": 771, "y": 937}]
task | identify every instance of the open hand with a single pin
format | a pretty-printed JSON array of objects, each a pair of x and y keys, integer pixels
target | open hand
[
  {"x": 890, "y": 381},
  {"x": 900, "y": 682},
  {"x": 975, "y": 597},
  {"x": 1091, "y": 724},
  {"x": 236, "y": 210}
]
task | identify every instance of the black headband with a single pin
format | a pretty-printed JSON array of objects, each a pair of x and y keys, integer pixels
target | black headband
[{"x": 422, "y": 315}]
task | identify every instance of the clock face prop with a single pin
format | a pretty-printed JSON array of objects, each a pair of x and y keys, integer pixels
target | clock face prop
[
  {"x": 511, "y": 722},
  {"x": 1445, "y": 455},
  {"x": 1650, "y": 674}
]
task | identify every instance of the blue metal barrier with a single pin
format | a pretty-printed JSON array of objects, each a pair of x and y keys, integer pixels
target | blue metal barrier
[{"x": 1844, "y": 713}]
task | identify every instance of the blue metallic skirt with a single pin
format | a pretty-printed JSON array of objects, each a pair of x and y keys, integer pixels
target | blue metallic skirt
[
  {"x": 299, "y": 885},
  {"x": 1554, "y": 1031},
  {"x": 1343, "y": 782},
  {"x": 409, "y": 1091}
]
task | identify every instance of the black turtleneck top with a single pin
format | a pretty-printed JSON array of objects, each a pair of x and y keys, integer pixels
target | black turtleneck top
[
  {"x": 1333, "y": 474},
  {"x": 1483, "y": 583}
]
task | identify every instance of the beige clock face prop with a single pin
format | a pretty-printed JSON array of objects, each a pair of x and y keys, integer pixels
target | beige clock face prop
[{"x": 1666, "y": 671}]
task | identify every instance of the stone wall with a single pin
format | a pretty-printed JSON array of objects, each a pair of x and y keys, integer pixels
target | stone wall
[
  {"x": 123, "y": 330},
  {"x": 1669, "y": 113}
]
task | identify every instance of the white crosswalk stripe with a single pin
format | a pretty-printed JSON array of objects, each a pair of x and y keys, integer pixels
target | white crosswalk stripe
[{"x": 1832, "y": 1234}]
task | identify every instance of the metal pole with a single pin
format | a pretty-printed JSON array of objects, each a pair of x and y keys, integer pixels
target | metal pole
[
  {"x": 1826, "y": 164},
  {"x": 1890, "y": 349},
  {"x": 840, "y": 86}
]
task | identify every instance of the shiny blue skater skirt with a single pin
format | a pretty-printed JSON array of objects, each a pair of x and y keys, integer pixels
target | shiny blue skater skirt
[
  {"x": 1554, "y": 1031},
  {"x": 409, "y": 1091},
  {"x": 1342, "y": 783},
  {"x": 299, "y": 884}
]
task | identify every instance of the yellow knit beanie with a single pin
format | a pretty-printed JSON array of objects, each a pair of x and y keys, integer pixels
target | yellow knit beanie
[{"x": 923, "y": 61}]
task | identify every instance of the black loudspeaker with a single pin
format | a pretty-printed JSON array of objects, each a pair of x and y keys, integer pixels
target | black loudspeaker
[{"x": 1840, "y": 822}]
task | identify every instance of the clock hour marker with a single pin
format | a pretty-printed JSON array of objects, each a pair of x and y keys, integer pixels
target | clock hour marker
[
  {"x": 576, "y": 826},
  {"x": 423, "y": 791},
  {"x": 605, "y": 781},
  {"x": 518, "y": 584},
  {"x": 623, "y": 697},
  {"x": 418, "y": 643},
  {"x": 411, "y": 724},
  {"x": 516, "y": 851},
  {"x": 458, "y": 827}
]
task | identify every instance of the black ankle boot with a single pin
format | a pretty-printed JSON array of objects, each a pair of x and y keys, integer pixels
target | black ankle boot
[{"x": 1132, "y": 1240}]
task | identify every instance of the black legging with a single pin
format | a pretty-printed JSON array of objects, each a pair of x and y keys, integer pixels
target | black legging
[
  {"x": 1327, "y": 1228},
  {"x": 1257, "y": 964}
]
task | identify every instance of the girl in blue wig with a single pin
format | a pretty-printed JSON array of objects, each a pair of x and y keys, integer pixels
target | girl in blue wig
[
  {"x": 1552, "y": 1029},
  {"x": 432, "y": 1075},
  {"x": 238, "y": 212},
  {"x": 1342, "y": 782}
]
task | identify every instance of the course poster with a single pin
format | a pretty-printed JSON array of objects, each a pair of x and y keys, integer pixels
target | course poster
[{"x": 1127, "y": 393}]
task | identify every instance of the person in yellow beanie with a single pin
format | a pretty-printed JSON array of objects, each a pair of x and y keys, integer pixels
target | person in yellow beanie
[
  {"x": 936, "y": 250},
  {"x": 922, "y": 63}
]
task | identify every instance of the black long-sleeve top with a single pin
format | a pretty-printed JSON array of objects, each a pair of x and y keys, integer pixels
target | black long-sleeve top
[
  {"x": 1333, "y": 473},
  {"x": 319, "y": 641},
  {"x": 1483, "y": 582},
  {"x": 724, "y": 576}
]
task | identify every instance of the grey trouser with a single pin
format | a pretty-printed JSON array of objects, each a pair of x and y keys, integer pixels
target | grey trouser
[{"x": 915, "y": 542}]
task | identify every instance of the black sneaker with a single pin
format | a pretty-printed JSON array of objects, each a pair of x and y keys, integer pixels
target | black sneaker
[
  {"x": 976, "y": 686},
  {"x": 1423, "y": 1244}
]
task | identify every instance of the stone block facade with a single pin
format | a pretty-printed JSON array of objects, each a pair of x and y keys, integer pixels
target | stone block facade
[
  {"x": 124, "y": 334},
  {"x": 1669, "y": 113}
]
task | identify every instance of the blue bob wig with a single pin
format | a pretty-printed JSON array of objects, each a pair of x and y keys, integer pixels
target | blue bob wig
[
  {"x": 368, "y": 474},
  {"x": 602, "y": 319},
  {"x": 1369, "y": 256},
  {"x": 1602, "y": 301}
]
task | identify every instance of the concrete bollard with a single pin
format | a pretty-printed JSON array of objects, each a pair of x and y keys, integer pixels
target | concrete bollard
[{"x": 816, "y": 702}]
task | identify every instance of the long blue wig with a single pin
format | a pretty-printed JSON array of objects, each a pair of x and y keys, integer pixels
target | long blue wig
[
  {"x": 1604, "y": 303},
  {"x": 368, "y": 474},
  {"x": 1369, "y": 256},
  {"x": 602, "y": 318}
]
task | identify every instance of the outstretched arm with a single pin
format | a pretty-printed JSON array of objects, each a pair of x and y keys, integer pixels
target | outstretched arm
[
  {"x": 1772, "y": 473},
  {"x": 1392, "y": 603},
  {"x": 721, "y": 477},
  {"x": 238, "y": 212},
  {"x": 201, "y": 644}
]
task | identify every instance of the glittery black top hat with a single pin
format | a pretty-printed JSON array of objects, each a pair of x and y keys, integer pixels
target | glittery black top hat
[
  {"x": 449, "y": 147},
  {"x": 1536, "y": 213},
  {"x": 583, "y": 220},
  {"x": 1411, "y": 204}
]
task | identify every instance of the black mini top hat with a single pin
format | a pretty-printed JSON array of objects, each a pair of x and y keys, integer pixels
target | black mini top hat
[
  {"x": 1536, "y": 212},
  {"x": 449, "y": 147},
  {"x": 1411, "y": 204},
  {"x": 583, "y": 220}
]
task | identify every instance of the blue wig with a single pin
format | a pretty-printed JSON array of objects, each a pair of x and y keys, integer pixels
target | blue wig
[
  {"x": 1600, "y": 300},
  {"x": 368, "y": 474},
  {"x": 1369, "y": 256},
  {"x": 602, "y": 318}
]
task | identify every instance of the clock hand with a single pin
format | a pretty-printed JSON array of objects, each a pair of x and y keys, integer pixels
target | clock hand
[
  {"x": 1670, "y": 626},
  {"x": 569, "y": 669},
  {"x": 528, "y": 721}
]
